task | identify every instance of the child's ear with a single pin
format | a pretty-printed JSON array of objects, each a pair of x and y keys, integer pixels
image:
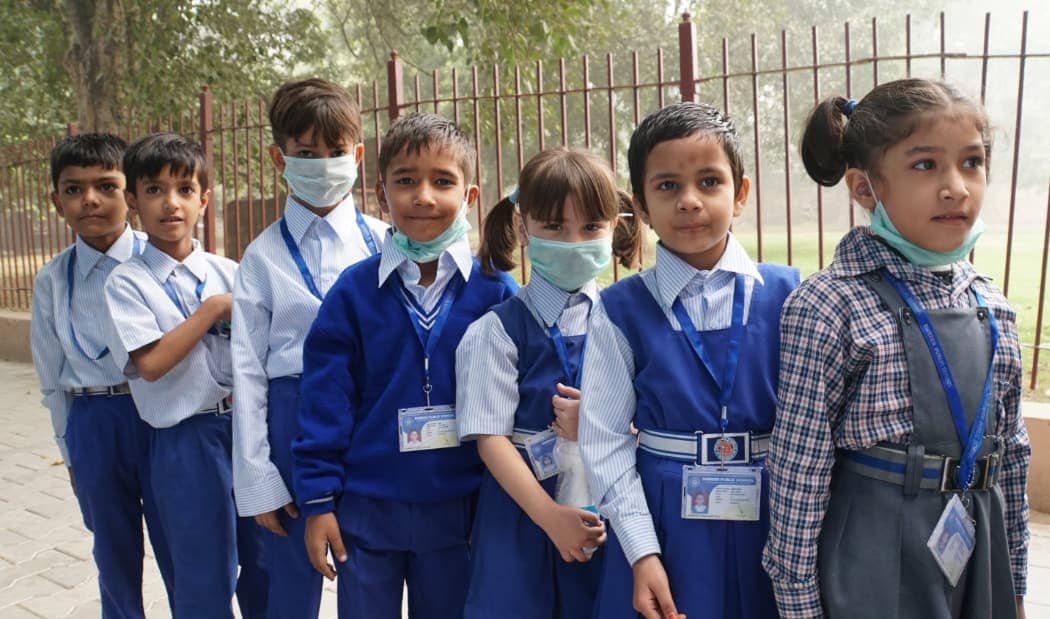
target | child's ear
[
  {"x": 58, "y": 204},
  {"x": 131, "y": 200},
  {"x": 277, "y": 157},
  {"x": 740, "y": 200},
  {"x": 205, "y": 200},
  {"x": 472, "y": 195},
  {"x": 381, "y": 196},
  {"x": 359, "y": 152},
  {"x": 860, "y": 188},
  {"x": 640, "y": 209}
]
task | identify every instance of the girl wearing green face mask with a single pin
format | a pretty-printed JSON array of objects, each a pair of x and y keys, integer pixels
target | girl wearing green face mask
[
  {"x": 536, "y": 539},
  {"x": 898, "y": 358}
]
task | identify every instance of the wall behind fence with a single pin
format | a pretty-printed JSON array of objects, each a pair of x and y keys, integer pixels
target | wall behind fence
[{"x": 767, "y": 83}]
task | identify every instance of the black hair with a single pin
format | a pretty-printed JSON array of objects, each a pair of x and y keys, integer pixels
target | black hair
[
  {"x": 681, "y": 120},
  {"x": 415, "y": 132},
  {"x": 146, "y": 157},
  {"x": 85, "y": 150},
  {"x": 842, "y": 134}
]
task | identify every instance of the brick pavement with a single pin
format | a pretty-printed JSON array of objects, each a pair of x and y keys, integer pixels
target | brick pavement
[{"x": 46, "y": 568}]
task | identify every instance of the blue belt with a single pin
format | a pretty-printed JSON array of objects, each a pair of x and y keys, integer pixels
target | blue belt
[
  {"x": 940, "y": 473},
  {"x": 684, "y": 446}
]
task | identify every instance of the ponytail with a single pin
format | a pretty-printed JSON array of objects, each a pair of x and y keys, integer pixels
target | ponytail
[
  {"x": 499, "y": 239},
  {"x": 822, "y": 151},
  {"x": 627, "y": 235}
]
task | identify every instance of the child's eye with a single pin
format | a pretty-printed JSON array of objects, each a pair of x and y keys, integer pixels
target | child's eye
[
  {"x": 666, "y": 186},
  {"x": 445, "y": 182},
  {"x": 595, "y": 226},
  {"x": 404, "y": 180},
  {"x": 974, "y": 162},
  {"x": 152, "y": 189},
  {"x": 553, "y": 226},
  {"x": 338, "y": 153},
  {"x": 187, "y": 190},
  {"x": 108, "y": 187},
  {"x": 72, "y": 190},
  {"x": 710, "y": 181},
  {"x": 923, "y": 164}
]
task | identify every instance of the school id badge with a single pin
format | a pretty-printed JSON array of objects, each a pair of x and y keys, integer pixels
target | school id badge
[
  {"x": 427, "y": 427},
  {"x": 714, "y": 493},
  {"x": 542, "y": 454},
  {"x": 953, "y": 540}
]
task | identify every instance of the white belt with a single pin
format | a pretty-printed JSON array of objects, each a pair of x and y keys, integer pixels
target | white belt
[
  {"x": 121, "y": 389},
  {"x": 748, "y": 447}
]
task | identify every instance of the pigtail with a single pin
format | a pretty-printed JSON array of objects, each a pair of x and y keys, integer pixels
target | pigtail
[
  {"x": 627, "y": 235},
  {"x": 822, "y": 140},
  {"x": 499, "y": 239}
]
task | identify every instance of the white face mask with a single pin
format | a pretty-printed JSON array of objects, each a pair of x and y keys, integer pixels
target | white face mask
[{"x": 321, "y": 182}]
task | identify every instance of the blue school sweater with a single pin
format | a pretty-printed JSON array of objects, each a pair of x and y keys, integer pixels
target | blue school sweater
[{"x": 362, "y": 361}]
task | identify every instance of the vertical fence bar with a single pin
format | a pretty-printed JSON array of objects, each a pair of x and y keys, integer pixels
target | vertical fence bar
[
  {"x": 944, "y": 57},
  {"x": 609, "y": 81},
  {"x": 497, "y": 113},
  {"x": 725, "y": 75},
  {"x": 248, "y": 197},
  {"x": 907, "y": 45},
  {"x": 586, "y": 101},
  {"x": 1016, "y": 152},
  {"x": 455, "y": 95},
  {"x": 395, "y": 89},
  {"x": 984, "y": 55},
  {"x": 787, "y": 139},
  {"x": 687, "y": 58},
  {"x": 561, "y": 101},
  {"x": 476, "y": 94},
  {"x": 5, "y": 281},
  {"x": 636, "y": 94},
  {"x": 758, "y": 145},
  {"x": 378, "y": 135},
  {"x": 362, "y": 167},
  {"x": 235, "y": 151},
  {"x": 418, "y": 97},
  {"x": 209, "y": 158},
  {"x": 263, "y": 165},
  {"x": 28, "y": 249},
  {"x": 820, "y": 192},
  {"x": 660, "y": 78},
  {"x": 520, "y": 150},
  {"x": 436, "y": 85},
  {"x": 541, "y": 130},
  {"x": 1042, "y": 298},
  {"x": 875, "y": 51}
]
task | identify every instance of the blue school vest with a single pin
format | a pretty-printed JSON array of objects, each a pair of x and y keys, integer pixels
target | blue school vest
[
  {"x": 538, "y": 365},
  {"x": 673, "y": 389}
]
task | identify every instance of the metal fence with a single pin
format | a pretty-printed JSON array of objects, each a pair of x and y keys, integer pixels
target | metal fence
[{"x": 767, "y": 84}]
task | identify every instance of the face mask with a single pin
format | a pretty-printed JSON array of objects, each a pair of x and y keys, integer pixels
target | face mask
[
  {"x": 884, "y": 229},
  {"x": 428, "y": 251},
  {"x": 568, "y": 265},
  {"x": 320, "y": 182}
]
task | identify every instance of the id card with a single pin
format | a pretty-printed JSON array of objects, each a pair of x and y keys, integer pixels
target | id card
[
  {"x": 952, "y": 540},
  {"x": 709, "y": 493},
  {"x": 427, "y": 427},
  {"x": 542, "y": 455}
]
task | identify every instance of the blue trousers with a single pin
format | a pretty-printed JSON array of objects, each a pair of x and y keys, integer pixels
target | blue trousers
[
  {"x": 109, "y": 453},
  {"x": 299, "y": 593},
  {"x": 193, "y": 484},
  {"x": 391, "y": 544}
]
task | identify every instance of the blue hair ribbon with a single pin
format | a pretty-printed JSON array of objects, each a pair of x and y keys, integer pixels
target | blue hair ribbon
[
  {"x": 848, "y": 107},
  {"x": 513, "y": 195}
]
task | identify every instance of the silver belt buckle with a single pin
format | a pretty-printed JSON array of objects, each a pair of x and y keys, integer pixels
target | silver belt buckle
[{"x": 715, "y": 448}]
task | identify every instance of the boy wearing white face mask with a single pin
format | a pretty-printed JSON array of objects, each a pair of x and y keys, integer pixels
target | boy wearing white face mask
[
  {"x": 379, "y": 472},
  {"x": 284, "y": 275}
]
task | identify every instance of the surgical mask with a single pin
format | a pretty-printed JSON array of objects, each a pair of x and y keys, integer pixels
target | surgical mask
[
  {"x": 321, "y": 182},
  {"x": 884, "y": 229},
  {"x": 568, "y": 265},
  {"x": 428, "y": 251}
]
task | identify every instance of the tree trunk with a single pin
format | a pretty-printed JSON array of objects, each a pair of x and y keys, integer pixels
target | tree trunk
[{"x": 93, "y": 62}]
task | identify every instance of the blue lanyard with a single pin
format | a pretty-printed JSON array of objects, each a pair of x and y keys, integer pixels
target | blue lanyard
[
  {"x": 428, "y": 338},
  {"x": 297, "y": 256},
  {"x": 971, "y": 439},
  {"x": 70, "y": 281},
  {"x": 563, "y": 356},
  {"x": 736, "y": 331}
]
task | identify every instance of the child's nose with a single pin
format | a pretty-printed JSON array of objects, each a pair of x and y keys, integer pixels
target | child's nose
[
  {"x": 689, "y": 200},
  {"x": 425, "y": 195},
  {"x": 954, "y": 186}
]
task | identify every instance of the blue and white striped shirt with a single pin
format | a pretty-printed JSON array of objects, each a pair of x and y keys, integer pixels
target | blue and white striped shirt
[
  {"x": 487, "y": 359},
  {"x": 272, "y": 311},
  {"x": 607, "y": 405},
  {"x": 59, "y": 364},
  {"x": 141, "y": 312},
  {"x": 456, "y": 257}
]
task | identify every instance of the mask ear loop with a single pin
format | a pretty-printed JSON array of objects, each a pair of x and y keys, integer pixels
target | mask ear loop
[{"x": 871, "y": 187}]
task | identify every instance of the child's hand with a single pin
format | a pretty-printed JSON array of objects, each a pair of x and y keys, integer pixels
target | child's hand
[
  {"x": 1020, "y": 607},
  {"x": 571, "y": 530},
  {"x": 566, "y": 412},
  {"x": 322, "y": 531},
  {"x": 220, "y": 304},
  {"x": 652, "y": 593},
  {"x": 271, "y": 521}
]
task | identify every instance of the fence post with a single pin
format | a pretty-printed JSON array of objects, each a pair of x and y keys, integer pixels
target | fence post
[
  {"x": 394, "y": 87},
  {"x": 71, "y": 129},
  {"x": 687, "y": 59},
  {"x": 208, "y": 145}
]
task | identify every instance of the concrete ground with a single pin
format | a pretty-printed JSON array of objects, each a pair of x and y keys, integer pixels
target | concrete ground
[{"x": 46, "y": 569}]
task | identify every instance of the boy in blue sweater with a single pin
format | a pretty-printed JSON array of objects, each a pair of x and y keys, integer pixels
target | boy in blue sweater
[{"x": 378, "y": 468}]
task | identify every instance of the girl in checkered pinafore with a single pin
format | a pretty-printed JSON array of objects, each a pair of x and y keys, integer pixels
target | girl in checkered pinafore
[{"x": 898, "y": 462}]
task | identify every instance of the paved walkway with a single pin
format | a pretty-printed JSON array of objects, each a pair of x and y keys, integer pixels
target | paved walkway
[{"x": 46, "y": 568}]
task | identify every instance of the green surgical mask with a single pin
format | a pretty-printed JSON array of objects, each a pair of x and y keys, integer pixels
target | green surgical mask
[
  {"x": 885, "y": 230},
  {"x": 428, "y": 251},
  {"x": 568, "y": 265}
]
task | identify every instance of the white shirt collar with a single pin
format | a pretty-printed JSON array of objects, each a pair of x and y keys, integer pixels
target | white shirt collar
[
  {"x": 549, "y": 300},
  {"x": 161, "y": 264},
  {"x": 342, "y": 219},
  {"x": 392, "y": 258},
  {"x": 120, "y": 250},
  {"x": 673, "y": 274}
]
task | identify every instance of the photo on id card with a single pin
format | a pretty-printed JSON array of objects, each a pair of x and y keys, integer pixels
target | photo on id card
[{"x": 952, "y": 540}]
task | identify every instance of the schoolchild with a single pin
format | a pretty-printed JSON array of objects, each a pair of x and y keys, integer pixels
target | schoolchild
[
  {"x": 688, "y": 351},
  {"x": 900, "y": 380},
  {"x": 99, "y": 433},
  {"x": 169, "y": 314},
  {"x": 378, "y": 362},
  {"x": 282, "y": 278},
  {"x": 517, "y": 384}
]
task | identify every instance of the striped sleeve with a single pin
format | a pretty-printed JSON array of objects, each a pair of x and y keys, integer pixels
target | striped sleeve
[
  {"x": 486, "y": 380},
  {"x": 48, "y": 357}
]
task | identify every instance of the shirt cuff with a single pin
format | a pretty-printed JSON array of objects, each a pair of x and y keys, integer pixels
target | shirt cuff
[
  {"x": 323, "y": 505},
  {"x": 637, "y": 537},
  {"x": 262, "y": 496},
  {"x": 798, "y": 600}
]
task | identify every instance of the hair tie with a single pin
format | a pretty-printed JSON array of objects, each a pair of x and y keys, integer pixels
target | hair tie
[
  {"x": 848, "y": 107},
  {"x": 513, "y": 196}
]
